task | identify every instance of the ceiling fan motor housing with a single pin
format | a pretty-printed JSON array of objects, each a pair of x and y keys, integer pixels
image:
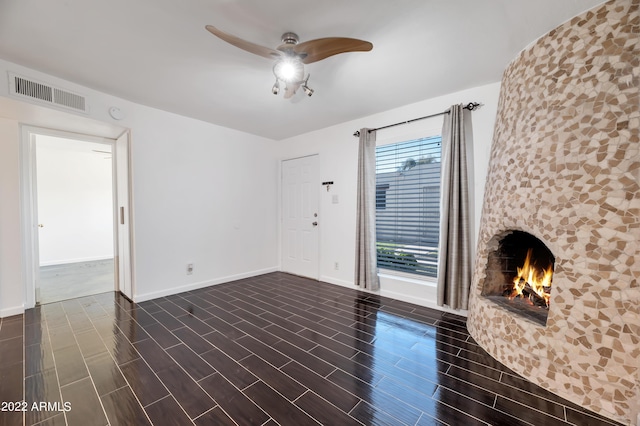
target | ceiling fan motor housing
[{"x": 290, "y": 38}]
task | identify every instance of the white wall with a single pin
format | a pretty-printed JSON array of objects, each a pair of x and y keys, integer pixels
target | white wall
[
  {"x": 11, "y": 276},
  {"x": 75, "y": 200},
  {"x": 202, "y": 193},
  {"x": 208, "y": 195},
  {"x": 337, "y": 150}
]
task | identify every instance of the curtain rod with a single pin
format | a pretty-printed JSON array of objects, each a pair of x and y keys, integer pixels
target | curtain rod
[{"x": 471, "y": 106}]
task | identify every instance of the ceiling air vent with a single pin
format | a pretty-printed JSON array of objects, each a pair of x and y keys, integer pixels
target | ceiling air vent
[{"x": 44, "y": 93}]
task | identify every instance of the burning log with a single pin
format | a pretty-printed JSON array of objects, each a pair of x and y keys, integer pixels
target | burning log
[
  {"x": 524, "y": 290},
  {"x": 537, "y": 300}
]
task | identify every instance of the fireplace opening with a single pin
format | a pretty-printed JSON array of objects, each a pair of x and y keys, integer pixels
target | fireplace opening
[{"x": 519, "y": 275}]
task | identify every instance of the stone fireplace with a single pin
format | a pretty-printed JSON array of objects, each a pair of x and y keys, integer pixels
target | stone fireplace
[{"x": 565, "y": 169}]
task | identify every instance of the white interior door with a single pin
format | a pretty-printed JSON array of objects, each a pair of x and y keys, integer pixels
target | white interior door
[
  {"x": 300, "y": 219},
  {"x": 123, "y": 216}
]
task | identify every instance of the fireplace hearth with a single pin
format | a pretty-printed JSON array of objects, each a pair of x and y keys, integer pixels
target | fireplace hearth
[{"x": 519, "y": 275}]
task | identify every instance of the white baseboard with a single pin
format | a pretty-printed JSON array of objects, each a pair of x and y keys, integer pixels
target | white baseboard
[
  {"x": 9, "y": 312},
  {"x": 78, "y": 260},
  {"x": 339, "y": 282},
  {"x": 195, "y": 286}
]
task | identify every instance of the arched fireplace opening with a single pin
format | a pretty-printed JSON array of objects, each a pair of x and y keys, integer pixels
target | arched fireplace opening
[{"x": 519, "y": 274}]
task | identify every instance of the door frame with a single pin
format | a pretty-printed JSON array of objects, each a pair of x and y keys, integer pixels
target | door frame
[
  {"x": 282, "y": 212},
  {"x": 123, "y": 217},
  {"x": 29, "y": 207}
]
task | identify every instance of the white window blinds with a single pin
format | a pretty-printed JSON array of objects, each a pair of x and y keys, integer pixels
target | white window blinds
[{"x": 408, "y": 205}]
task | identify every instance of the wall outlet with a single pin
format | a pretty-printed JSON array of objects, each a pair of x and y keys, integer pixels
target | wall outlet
[
  {"x": 189, "y": 268},
  {"x": 336, "y": 266}
]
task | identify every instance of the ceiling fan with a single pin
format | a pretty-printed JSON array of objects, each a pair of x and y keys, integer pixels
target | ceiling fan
[{"x": 291, "y": 56}]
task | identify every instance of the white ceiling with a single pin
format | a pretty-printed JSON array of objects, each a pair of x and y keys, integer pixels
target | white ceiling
[{"x": 157, "y": 52}]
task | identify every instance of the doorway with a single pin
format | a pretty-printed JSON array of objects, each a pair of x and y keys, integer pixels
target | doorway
[
  {"x": 76, "y": 215},
  {"x": 300, "y": 221},
  {"x": 74, "y": 186}
]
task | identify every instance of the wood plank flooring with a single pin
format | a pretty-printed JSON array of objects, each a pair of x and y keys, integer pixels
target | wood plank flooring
[{"x": 273, "y": 349}]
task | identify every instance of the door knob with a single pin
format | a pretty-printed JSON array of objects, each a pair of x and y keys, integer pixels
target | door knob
[
  {"x": 40, "y": 225},
  {"x": 315, "y": 223}
]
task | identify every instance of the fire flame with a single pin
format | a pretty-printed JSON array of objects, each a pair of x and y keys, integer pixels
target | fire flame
[{"x": 537, "y": 280}]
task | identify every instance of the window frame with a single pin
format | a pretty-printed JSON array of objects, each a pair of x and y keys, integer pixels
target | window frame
[{"x": 418, "y": 130}]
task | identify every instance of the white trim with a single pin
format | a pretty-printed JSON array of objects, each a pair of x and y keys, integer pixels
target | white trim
[
  {"x": 339, "y": 282},
  {"x": 28, "y": 215},
  {"x": 82, "y": 137},
  {"x": 279, "y": 212},
  {"x": 407, "y": 277},
  {"x": 29, "y": 201},
  {"x": 195, "y": 286},
  {"x": 124, "y": 244},
  {"x": 9, "y": 312}
]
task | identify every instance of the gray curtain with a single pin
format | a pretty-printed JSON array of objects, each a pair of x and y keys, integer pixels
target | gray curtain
[
  {"x": 454, "y": 272},
  {"x": 366, "y": 260}
]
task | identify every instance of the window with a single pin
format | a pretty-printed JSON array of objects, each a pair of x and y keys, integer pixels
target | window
[{"x": 408, "y": 206}]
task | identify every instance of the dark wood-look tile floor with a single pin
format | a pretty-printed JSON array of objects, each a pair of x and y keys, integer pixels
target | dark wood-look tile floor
[{"x": 273, "y": 349}]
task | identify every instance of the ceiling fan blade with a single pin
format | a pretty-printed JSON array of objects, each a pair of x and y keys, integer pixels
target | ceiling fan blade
[
  {"x": 321, "y": 48},
  {"x": 265, "y": 52}
]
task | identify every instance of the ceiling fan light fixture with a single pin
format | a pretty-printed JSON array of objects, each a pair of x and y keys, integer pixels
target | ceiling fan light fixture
[
  {"x": 307, "y": 90},
  {"x": 276, "y": 87},
  {"x": 287, "y": 69}
]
